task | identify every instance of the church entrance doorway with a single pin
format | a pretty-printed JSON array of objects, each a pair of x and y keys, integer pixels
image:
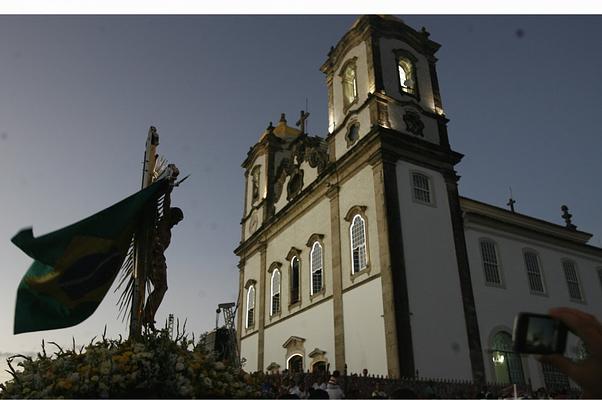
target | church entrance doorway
[
  {"x": 295, "y": 363},
  {"x": 507, "y": 364}
]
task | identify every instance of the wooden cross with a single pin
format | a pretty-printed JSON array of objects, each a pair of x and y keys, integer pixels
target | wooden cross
[{"x": 301, "y": 122}]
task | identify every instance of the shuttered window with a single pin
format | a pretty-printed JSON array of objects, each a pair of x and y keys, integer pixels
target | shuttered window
[
  {"x": 534, "y": 272},
  {"x": 490, "y": 262},
  {"x": 572, "y": 280}
]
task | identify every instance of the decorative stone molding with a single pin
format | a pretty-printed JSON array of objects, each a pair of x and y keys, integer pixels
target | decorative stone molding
[
  {"x": 353, "y": 133},
  {"x": 292, "y": 253},
  {"x": 250, "y": 283},
  {"x": 273, "y": 368},
  {"x": 414, "y": 124},
  {"x": 355, "y": 210},
  {"x": 313, "y": 238},
  {"x": 274, "y": 265},
  {"x": 294, "y": 345}
]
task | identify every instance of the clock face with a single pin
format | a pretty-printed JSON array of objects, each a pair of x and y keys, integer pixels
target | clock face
[{"x": 253, "y": 223}]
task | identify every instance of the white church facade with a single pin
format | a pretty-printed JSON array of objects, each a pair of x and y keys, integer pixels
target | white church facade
[{"x": 357, "y": 250}]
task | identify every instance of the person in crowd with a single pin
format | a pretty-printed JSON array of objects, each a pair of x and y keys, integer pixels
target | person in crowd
[
  {"x": 587, "y": 373},
  {"x": 378, "y": 393},
  {"x": 333, "y": 388}
]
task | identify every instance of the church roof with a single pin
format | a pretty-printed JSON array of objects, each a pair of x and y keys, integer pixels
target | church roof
[
  {"x": 479, "y": 212},
  {"x": 282, "y": 130}
]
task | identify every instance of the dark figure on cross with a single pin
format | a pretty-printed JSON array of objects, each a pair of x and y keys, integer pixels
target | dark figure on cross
[{"x": 161, "y": 240}]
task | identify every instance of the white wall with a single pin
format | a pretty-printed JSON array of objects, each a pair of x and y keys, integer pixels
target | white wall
[
  {"x": 365, "y": 329},
  {"x": 437, "y": 316},
  {"x": 315, "y": 220},
  {"x": 248, "y": 351},
  {"x": 314, "y": 325},
  {"x": 359, "y": 190},
  {"x": 496, "y": 307}
]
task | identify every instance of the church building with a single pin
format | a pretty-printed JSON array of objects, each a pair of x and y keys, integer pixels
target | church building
[{"x": 357, "y": 250}]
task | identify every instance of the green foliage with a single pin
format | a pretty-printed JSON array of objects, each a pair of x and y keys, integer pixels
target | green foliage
[{"x": 154, "y": 366}]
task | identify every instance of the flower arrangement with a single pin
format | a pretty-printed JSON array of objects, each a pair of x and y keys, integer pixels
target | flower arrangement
[{"x": 153, "y": 366}]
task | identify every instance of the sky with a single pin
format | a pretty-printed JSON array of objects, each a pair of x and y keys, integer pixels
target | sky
[{"x": 78, "y": 94}]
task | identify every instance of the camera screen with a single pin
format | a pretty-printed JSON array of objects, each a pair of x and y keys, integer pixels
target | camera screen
[{"x": 542, "y": 335}]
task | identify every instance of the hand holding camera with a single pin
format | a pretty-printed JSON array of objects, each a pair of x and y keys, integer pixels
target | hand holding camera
[{"x": 546, "y": 335}]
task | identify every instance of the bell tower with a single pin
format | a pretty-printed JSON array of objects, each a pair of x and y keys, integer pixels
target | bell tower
[
  {"x": 382, "y": 74},
  {"x": 384, "y": 100}
]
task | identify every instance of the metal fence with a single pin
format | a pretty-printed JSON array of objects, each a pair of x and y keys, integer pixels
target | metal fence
[{"x": 369, "y": 386}]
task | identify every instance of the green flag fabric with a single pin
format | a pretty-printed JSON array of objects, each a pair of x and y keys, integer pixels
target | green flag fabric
[{"x": 74, "y": 267}]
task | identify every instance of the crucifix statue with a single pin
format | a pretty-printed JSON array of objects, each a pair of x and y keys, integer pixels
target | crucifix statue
[
  {"x": 301, "y": 122},
  {"x": 161, "y": 240}
]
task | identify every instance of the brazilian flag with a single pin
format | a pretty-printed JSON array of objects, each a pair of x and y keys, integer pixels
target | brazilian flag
[{"x": 74, "y": 267}]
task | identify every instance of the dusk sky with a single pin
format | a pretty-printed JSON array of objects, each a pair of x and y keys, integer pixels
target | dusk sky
[{"x": 78, "y": 94}]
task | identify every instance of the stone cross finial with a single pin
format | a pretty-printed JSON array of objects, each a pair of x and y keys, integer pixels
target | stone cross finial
[
  {"x": 301, "y": 122},
  {"x": 511, "y": 201},
  {"x": 567, "y": 217},
  {"x": 270, "y": 128}
]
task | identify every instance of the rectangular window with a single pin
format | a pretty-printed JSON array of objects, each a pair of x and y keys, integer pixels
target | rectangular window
[
  {"x": 572, "y": 280},
  {"x": 421, "y": 186},
  {"x": 250, "y": 316},
  {"x": 490, "y": 264},
  {"x": 276, "y": 303},
  {"x": 534, "y": 273}
]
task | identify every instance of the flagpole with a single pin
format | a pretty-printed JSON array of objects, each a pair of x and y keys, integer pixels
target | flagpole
[{"x": 142, "y": 239}]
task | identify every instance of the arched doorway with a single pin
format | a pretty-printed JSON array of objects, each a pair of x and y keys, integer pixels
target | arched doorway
[
  {"x": 319, "y": 367},
  {"x": 506, "y": 363},
  {"x": 295, "y": 363}
]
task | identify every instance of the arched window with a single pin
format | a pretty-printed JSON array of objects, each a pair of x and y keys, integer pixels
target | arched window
[
  {"x": 421, "y": 188},
  {"x": 250, "y": 306},
  {"x": 572, "y": 280},
  {"x": 490, "y": 263},
  {"x": 357, "y": 232},
  {"x": 507, "y": 364},
  {"x": 534, "y": 272},
  {"x": 315, "y": 258},
  {"x": 295, "y": 280},
  {"x": 407, "y": 75},
  {"x": 255, "y": 180},
  {"x": 349, "y": 80},
  {"x": 275, "y": 289}
]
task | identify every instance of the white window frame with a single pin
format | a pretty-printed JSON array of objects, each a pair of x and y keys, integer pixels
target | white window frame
[
  {"x": 350, "y": 64},
  {"x": 573, "y": 280},
  {"x": 298, "y": 300},
  {"x": 487, "y": 264},
  {"x": 275, "y": 275},
  {"x": 313, "y": 269},
  {"x": 534, "y": 272},
  {"x": 363, "y": 246},
  {"x": 250, "y": 306},
  {"x": 430, "y": 193}
]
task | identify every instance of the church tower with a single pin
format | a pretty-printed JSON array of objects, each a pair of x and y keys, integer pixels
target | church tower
[
  {"x": 383, "y": 97},
  {"x": 353, "y": 251}
]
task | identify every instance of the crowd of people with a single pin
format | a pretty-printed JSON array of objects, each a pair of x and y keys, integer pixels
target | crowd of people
[{"x": 323, "y": 384}]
